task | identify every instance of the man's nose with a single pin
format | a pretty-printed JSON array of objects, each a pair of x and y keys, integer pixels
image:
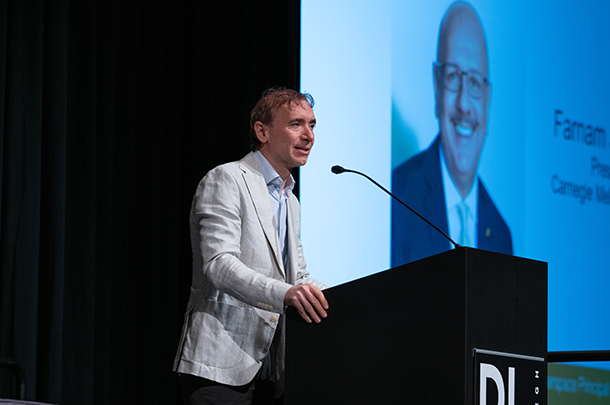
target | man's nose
[
  {"x": 463, "y": 98},
  {"x": 308, "y": 134}
]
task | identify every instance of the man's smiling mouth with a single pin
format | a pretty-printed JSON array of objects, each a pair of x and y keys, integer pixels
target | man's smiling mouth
[{"x": 464, "y": 131}]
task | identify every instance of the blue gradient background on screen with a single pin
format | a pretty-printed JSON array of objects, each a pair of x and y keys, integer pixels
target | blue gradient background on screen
[{"x": 368, "y": 64}]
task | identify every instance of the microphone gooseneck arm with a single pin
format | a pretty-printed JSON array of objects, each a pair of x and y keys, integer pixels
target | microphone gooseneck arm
[{"x": 338, "y": 170}]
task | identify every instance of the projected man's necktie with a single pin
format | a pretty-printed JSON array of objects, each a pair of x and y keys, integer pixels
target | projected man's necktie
[{"x": 463, "y": 214}]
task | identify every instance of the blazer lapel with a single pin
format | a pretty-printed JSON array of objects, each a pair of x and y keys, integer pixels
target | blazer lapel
[
  {"x": 255, "y": 183},
  {"x": 291, "y": 234}
]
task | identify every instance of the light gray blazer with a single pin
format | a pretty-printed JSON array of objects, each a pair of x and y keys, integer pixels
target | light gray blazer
[{"x": 239, "y": 280}]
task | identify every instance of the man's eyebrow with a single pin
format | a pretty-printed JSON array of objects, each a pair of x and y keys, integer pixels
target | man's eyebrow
[{"x": 301, "y": 119}]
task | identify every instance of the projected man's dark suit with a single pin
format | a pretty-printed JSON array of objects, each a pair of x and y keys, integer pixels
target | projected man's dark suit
[{"x": 419, "y": 183}]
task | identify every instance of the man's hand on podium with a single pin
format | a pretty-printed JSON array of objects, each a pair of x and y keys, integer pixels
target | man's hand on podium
[{"x": 308, "y": 300}]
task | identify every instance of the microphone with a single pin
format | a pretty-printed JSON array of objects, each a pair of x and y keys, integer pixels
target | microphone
[{"x": 338, "y": 170}]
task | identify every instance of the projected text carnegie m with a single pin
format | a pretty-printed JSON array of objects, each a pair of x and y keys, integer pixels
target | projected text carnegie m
[{"x": 579, "y": 132}]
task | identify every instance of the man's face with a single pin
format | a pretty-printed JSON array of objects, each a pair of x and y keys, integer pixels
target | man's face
[
  {"x": 462, "y": 118},
  {"x": 286, "y": 143}
]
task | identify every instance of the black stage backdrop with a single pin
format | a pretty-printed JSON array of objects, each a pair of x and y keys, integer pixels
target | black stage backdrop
[{"x": 110, "y": 113}]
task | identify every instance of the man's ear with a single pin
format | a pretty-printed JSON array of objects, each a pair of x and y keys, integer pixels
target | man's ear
[
  {"x": 437, "y": 73},
  {"x": 261, "y": 132}
]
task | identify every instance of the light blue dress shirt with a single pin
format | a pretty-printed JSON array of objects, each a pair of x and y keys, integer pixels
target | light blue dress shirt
[{"x": 278, "y": 196}]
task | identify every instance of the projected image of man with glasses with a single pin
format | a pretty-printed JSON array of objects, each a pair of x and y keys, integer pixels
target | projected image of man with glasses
[
  {"x": 462, "y": 93},
  {"x": 441, "y": 182}
]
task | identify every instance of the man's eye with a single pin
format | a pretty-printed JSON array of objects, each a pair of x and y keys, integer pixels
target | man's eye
[{"x": 452, "y": 77}]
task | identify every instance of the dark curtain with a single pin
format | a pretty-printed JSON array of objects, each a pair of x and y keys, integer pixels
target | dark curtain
[{"x": 110, "y": 113}]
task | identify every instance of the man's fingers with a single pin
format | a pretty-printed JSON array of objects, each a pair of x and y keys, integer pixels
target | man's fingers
[
  {"x": 321, "y": 298},
  {"x": 316, "y": 303},
  {"x": 305, "y": 308},
  {"x": 313, "y": 312},
  {"x": 315, "y": 309},
  {"x": 303, "y": 313},
  {"x": 309, "y": 302}
]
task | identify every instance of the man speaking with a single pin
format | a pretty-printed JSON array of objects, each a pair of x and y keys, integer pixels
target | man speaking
[
  {"x": 441, "y": 183},
  {"x": 248, "y": 262}
]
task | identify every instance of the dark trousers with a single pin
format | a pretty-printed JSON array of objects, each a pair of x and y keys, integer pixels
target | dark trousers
[{"x": 200, "y": 391}]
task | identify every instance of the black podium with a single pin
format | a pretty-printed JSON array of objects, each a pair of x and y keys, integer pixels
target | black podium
[{"x": 463, "y": 327}]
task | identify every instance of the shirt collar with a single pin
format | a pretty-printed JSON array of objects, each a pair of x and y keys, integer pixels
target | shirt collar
[{"x": 272, "y": 179}]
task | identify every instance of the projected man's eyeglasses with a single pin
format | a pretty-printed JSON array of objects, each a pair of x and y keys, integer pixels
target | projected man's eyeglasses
[{"x": 452, "y": 79}]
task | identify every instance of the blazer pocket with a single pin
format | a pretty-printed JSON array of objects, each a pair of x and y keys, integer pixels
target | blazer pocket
[{"x": 218, "y": 334}]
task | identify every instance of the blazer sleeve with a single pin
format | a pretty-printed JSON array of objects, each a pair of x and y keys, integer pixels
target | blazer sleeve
[{"x": 229, "y": 243}]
